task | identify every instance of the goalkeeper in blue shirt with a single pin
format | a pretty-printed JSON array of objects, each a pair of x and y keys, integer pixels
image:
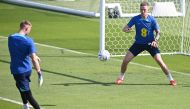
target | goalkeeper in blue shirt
[
  {"x": 145, "y": 26},
  {"x": 21, "y": 49}
]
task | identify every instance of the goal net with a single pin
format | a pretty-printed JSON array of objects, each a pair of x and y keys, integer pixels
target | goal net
[{"x": 171, "y": 15}]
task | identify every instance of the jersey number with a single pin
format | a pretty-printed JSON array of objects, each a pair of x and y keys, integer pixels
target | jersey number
[{"x": 143, "y": 32}]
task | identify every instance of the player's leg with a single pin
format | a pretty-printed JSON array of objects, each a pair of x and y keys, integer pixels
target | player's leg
[
  {"x": 155, "y": 53},
  {"x": 24, "y": 100},
  {"x": 22, "y": 83},
  {"x": 164, "y": 68},
  {"x": 27, "y": 96},
  {"x": 134, "y": 50},
  {"x": 19, "y": 78},
  {"x": 31, "y": 99},
  {"x": 28, "y": 93},
  {"x": 128, "y": 57}
]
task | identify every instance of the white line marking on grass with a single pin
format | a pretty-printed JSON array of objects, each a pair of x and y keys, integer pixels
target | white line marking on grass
[
  {"x": 3, "y": 40},
  {"x": 49, "y": 46},
  {"x": 13, "y": 101},
  {"x": 3, "y": 37},
  {"x": 157, "y": 68},
  {"x": 73, "y": 51}
]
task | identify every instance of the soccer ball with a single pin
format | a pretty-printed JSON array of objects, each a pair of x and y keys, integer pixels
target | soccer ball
[{"x": 104, "y": 55}]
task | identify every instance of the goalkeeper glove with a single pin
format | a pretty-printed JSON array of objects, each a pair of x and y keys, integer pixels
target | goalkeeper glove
[{"x": 40, "y": 79}]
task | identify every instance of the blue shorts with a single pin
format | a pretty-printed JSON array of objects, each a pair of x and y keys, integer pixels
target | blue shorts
[
  {"x": 22, "y": 81},
  {"x": 135, "y": 49}
]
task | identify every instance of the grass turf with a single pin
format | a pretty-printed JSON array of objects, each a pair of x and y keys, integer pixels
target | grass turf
[
  {"x": 81, "y": 81},
  {"x": 8, "y": 105},
  {"x": 63, "y": 30},
  {"x": 77, "y": 81}
]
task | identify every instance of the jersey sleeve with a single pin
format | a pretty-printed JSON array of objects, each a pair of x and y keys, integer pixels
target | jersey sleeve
[
  {"x": 131, "y": 22},
  {"x": 32, "y": 48},
  {"x": 155, "y": 24}
]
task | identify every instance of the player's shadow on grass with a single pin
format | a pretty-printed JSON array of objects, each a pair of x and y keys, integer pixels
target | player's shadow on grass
[
  {"x": 4, "y": 61},
  {"x": 94, "y": 82},
  {"x": 71, "y": 76},
  {"x": 89, "y": 81},
  {"x": 80, "y": 78},
  {"x": 47, "y": 105},
  {"x": 109, "y": 84},
  {"x": 188, "y": 86}
]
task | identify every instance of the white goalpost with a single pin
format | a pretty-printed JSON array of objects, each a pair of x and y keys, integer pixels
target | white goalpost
[
  {"x": 171, "y": 15},
  {"x": 53, "y": 8}
]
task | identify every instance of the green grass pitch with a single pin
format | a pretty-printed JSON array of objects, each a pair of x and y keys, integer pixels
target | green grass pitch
[
  {"x": 73, "y": 80},
  {"x": 8, "y": 105}
]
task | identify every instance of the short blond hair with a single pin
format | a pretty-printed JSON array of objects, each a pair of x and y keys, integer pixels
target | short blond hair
[
  {"x": 24, "y": 23},
  {"x": 144, "y": 3}
]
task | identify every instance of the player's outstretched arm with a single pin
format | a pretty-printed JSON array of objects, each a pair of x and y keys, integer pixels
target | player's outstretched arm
[{"x": 35, "y": 61}]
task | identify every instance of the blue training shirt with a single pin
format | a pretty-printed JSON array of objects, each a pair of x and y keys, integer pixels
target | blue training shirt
[
  {"x": 20, "y": 49},
  {"x": 144, "y": 28}
]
